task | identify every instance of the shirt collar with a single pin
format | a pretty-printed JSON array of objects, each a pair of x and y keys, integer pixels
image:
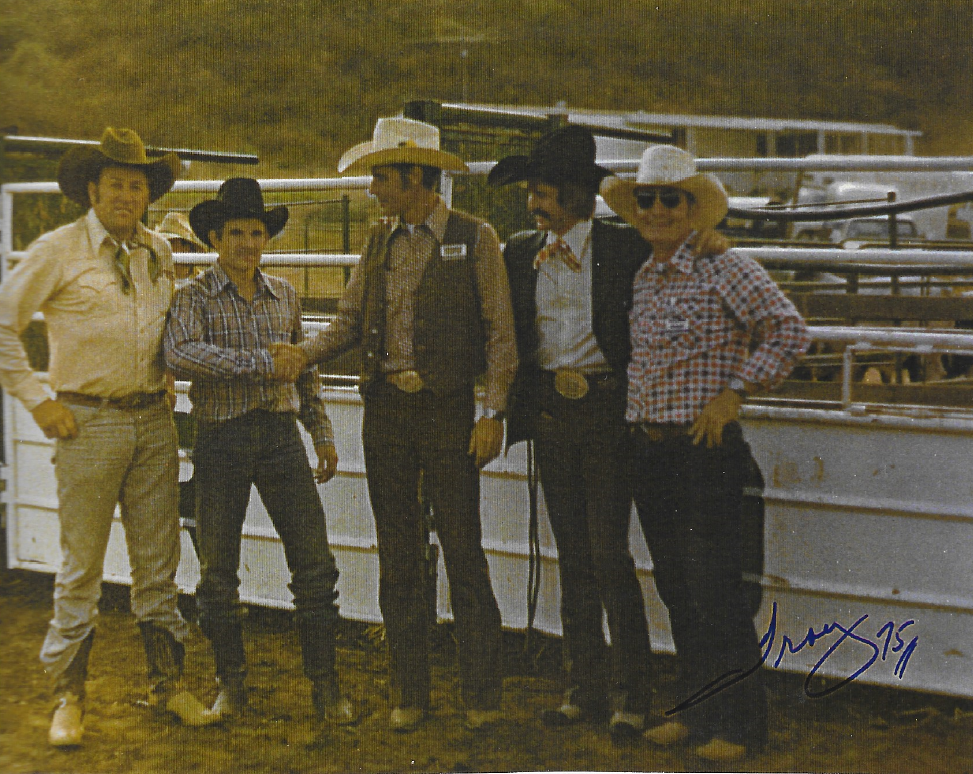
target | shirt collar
[
  {"x": 682, "y": 260},
  {"x": 220, "y": 280},
  {"x": 577, "y": 238},
  {"x": 97, "y": 233},
  {"x": 436, "y": 222}
]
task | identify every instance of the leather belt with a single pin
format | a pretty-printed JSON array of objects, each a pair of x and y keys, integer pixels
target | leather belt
[
  {"x": 573, "y": 384},
  {"x": 407, "y": 381},
  {"x": 660, "y": 432},
  {"x": 134, "y": 401}
]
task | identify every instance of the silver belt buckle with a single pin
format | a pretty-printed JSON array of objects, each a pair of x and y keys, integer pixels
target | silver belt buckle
[
  {"x": 570, "y": 384},
  {"x": 407, "y": 381}
]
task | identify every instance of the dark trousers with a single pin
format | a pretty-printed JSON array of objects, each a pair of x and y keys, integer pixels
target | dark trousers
[
  {"x": 262, "y": 449},
  {"x": 403, "y": 435},
  {"x": 583, "y": 454},
  {"x": 689, "y": 502}
]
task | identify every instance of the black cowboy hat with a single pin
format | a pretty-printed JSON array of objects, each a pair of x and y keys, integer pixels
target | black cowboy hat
[
  {"x": 566, "y": 155},
  {"x": 238, "y": 197},
  {"x": 119, "y": 147}
]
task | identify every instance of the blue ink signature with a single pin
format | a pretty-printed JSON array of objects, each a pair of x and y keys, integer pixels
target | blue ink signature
[{"x": 888, "y": 640}]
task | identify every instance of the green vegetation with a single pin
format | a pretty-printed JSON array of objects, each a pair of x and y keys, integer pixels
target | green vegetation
[{"x": 300, "y": 81}]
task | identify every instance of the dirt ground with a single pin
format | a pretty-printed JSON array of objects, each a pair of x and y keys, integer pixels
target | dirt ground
[{"x": 858, "y": 728}]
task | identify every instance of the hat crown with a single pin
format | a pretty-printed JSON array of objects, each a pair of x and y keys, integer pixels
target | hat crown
[
  {"x": 568, "y": 146},
  {"x": 665, "y": 164},
  {"x": 176, "y": 223},
  {"x": 241, "y": 197},
  {"x": 123, "y": 146},
  {"x": 404, "y": 133}
]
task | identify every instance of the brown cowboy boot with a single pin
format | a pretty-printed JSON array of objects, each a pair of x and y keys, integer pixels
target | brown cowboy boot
[
  {"x": 67, "y": 726},
  {"x": 165, "y": 656}
]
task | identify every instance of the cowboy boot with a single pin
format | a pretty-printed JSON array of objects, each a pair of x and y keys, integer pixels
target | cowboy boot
[
  {"x": 318, "y": 650},
  {"x": 67, "y": 726},
  {"x": 226, "y": 637},
  {"x": 165, "y": 655}
]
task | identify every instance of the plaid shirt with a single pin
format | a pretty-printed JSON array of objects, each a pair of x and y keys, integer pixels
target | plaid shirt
[
  {"x": 697, "y": 322},
  {"x": 219, "y": 340}
]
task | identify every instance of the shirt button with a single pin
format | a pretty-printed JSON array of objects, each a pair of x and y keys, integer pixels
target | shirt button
[
  {"x": 369, "y": 354},
  {"x": 374, "y": 331}
]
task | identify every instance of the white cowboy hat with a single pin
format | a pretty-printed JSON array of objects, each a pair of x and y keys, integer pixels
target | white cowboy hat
[
  {"x": 400, "y": 141},
  {"x": 175, "y": 225},
  {"x": 667, "y": 165}
]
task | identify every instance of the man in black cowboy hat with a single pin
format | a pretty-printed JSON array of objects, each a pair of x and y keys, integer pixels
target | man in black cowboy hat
[
  {"x": 221, "y": 334},
  {"x": 570, "y": 283},
  {"x": 104, "y": 284}
]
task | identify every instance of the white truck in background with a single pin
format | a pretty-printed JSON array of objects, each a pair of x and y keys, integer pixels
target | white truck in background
[{"x": 828, "y": 188}]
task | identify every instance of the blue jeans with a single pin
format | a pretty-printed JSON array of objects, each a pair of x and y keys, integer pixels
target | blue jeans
[
  {"x": 262, "y": 449},
  {"x": 128, "y": 457}
]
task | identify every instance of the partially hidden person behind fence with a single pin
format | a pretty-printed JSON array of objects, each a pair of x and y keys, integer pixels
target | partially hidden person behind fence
[
  {"x": 706, "y": 331},
  {"x": 104, "y": 284},
  {"x": 175, "y": 229},
  {"x": 246, "y": 401},
  {"x": 429, "y": 306},
  {"x": 570, "y": 282}
]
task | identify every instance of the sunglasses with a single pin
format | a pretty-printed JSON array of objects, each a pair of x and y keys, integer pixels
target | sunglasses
[{"x": 670, "y": 197}]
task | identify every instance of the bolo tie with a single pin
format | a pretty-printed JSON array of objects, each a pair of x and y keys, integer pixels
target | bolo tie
[{"x": 123, "y": 257}]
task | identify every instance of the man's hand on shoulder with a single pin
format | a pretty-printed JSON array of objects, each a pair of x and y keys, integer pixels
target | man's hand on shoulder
[
  {"x": 710, "y": 242},
  {"x": 289, "y": 361},
  {"x": 327, "y": 462},
  {"x": 55, "y": 419}
]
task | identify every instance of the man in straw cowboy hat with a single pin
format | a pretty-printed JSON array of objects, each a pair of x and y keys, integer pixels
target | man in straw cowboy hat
[
  {"x": 221, "y": 334},
  {"x": 175, "y": 229},
  {"x": 571, "y": 284},
  {"x": 706, "y": 332},
  {"x": 104, "y": 284},
  {"x": 429, "y": 305}
]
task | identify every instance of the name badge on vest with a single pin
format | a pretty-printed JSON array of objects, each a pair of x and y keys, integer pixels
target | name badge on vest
[
  {"x": 453, "y": 252},
  {"x": 676, "y": 325}
]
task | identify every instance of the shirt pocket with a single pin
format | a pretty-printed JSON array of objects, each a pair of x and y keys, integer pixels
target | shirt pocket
[{"x": 94, "y": 293}]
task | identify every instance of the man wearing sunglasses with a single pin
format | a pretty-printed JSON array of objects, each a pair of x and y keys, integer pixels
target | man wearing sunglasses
[
  {"x": 571, "y": 285},
  {"x": 706, "y": 332}
]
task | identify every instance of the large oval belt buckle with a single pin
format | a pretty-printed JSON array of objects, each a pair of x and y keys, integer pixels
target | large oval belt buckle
[
  {"x": 570, "y": 384},
  {"x": 407, "y": 381}
]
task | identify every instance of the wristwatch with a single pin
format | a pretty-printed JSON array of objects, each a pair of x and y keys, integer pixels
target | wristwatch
[
  {"x": 493, "y": 414},
  {"x": 737, "y": 385}
]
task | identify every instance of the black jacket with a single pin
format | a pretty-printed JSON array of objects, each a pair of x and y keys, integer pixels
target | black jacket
[{"x": 618, "y": 252}]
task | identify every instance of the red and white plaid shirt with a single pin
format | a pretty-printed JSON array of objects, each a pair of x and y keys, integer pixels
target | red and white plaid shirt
[{"x": 697, "y": 322}]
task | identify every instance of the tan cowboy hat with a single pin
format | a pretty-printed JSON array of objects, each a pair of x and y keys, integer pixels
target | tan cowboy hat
[
  {"x": 400, "y": 141},
  {"x": 667, "y": 165},
  {"x": 175, "y": 225},
  {"x": 83, "y": 164}
]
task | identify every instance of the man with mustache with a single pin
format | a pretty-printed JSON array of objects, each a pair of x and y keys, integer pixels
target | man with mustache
[{"x": 571, "y": 287}]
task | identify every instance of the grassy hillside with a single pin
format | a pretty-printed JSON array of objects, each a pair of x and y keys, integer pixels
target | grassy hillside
[{"x": 299, "y": 81}]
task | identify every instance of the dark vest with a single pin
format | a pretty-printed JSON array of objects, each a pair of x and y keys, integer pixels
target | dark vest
[
  {"x": 617, "y": 253},
  {"x": 448, "y": 340}
]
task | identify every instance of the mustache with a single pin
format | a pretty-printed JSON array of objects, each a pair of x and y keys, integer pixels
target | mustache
[{"x": 540, "y": 211}]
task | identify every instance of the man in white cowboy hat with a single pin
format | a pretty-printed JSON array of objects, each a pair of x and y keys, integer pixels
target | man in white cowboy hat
[
  {"x": 570, "y": 283},
  {"x": 221, "y": 334},
  {"x": 430, "y": 307},
  {"x": 104, "y": 284},
  {"x": 175, "y": 229},
  {"x": 706, "y": 332}
]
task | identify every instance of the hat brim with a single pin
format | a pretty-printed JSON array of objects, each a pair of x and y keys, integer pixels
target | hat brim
[
  {"x": 710, "y": 207},
  {"x": 517, "y": 168},
  {"x": 191, "y": 238},
  {"x": 83, "y": 164},
  {"x": 210, "y": 215},
  {"x": 362, "y": 158}
]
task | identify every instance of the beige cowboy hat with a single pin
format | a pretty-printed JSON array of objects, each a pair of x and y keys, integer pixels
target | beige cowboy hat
[
  {"x": 175, "y": 225},
  {"x": 83, "y": 164},
  {"x": 667, "y": 165},
  {"x": 400, "y": 141}
]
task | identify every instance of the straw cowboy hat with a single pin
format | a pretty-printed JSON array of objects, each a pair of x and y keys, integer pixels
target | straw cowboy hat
[
  {"x": 175, "y": 225},
  {"x": 238, "y": 198},
  {"x": 400, "y": 141},
  {"x": 83, "y": 164},
  {"x": 566, "y": 155},
  {"x": 672, "y": 167}
]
